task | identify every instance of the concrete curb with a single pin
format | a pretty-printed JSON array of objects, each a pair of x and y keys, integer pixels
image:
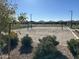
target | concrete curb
[{"x": 73, "y": 33}]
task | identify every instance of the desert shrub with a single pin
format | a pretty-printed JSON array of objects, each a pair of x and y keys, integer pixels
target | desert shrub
[
  {"x": 1, "y": 44},
  {"x": 2, "y": 41},
  {"x": 52, "y": 39},
  {"x": 73, "y": 45},
  {"x": 47, "y": 49},
  {"x": 26, "y": 45},
  {"x": 12, "y": 38},
  {"x": 26, "y": 41}
]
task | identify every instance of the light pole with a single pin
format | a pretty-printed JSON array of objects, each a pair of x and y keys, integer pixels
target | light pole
[
  {"x": 31, "y": 20},
  {"x": 71, "y": 17}
]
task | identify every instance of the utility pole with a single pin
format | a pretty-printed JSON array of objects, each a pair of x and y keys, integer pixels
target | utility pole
[
  {"x": 9, "y": 41},
  {"x": 31, "y": 20},
  {"x": 71, "y": 17}
]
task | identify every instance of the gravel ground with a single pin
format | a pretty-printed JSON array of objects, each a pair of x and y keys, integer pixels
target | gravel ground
[
  {"x": 63, "y": 35},
  {"x": 38, "y": 32}
]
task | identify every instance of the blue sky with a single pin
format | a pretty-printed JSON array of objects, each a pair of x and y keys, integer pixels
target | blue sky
[{"x": 53, "y": 10}]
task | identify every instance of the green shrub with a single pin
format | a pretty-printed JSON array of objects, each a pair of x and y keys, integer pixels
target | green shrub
[
  {"x": 14, "y": 41},
  {"x": 11, "y": 41},
  {"x": 73, "y": 45},
  {"x": 1, "y": 44},
  {"x": 26, "y": 41},
  {"x": 2, "y": 41},
  {"x": 51, "y": 39},
  {"x": 47, "y": 49},
  {"x": 13, "y": 38}
]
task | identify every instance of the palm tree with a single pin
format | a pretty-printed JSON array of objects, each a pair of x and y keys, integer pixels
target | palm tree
[{"x": 22, "y": 18}]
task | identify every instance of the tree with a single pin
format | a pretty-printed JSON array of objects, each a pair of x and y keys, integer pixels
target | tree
[
  {"x": 22, "y": 18},
  {"x": 6, "y": 10}
]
